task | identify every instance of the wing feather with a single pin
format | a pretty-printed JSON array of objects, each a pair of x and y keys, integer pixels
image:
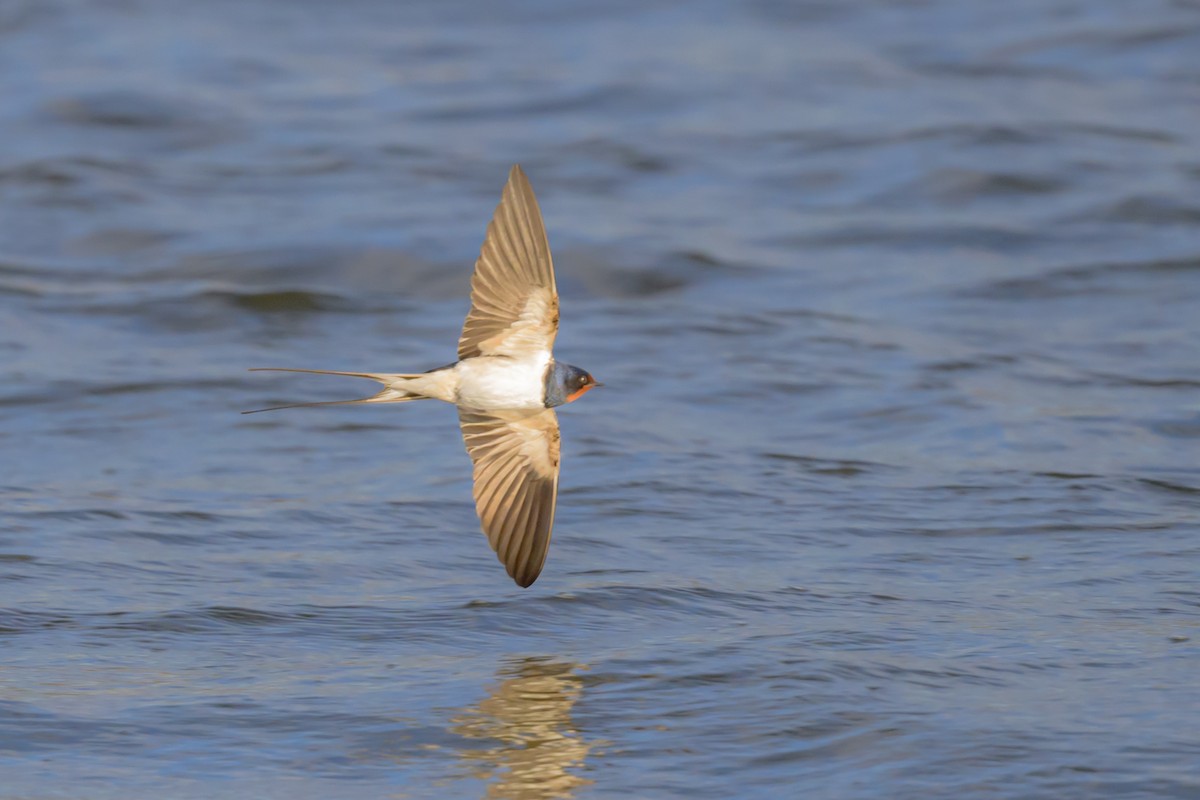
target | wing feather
[
  {"x": 514, "y": 301},
  {"x": 516, "y": 523},
  {"x": 516, "y": 485},
  {"x": 525, "y": 546}
]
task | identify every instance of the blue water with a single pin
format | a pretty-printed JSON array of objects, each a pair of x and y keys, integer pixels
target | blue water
[{"x": 892, "y": 492}]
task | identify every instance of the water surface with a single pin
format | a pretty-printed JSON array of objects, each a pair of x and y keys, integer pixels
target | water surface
[{"x": 892, "y": 491}]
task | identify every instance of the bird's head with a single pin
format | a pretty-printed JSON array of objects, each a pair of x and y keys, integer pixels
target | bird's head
[
  {"x": 565, "y": 384},
  {"x": 580, "y": 383}
]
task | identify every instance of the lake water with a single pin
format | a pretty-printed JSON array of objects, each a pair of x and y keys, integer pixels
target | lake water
[{"x": 893, "y": 490}]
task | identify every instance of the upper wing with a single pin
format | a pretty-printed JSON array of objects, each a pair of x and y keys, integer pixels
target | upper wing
[
  {"x": 516, "y": 485},
  {"x": 514, "y": 303}
]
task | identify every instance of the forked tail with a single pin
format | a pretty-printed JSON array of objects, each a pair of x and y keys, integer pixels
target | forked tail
[{"x": 390, "y": 393}]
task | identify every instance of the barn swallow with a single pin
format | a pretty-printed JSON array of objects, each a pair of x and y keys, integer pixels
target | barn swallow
[{"x": 505, "y": 383}]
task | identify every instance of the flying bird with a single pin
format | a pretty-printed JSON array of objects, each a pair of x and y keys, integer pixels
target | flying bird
[{"x": 505, "y": 383}]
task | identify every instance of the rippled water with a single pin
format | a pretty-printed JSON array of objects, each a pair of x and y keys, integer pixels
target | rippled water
[{"x": 893, "y": 490}]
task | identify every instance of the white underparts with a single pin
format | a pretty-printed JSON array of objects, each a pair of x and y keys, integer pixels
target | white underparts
[{"x": 495, "y": 384}]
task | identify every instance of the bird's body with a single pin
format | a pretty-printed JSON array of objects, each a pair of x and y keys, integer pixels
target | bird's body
[
  {"x": 505, "y": 384},
  {"x": 501, "y": 383}
]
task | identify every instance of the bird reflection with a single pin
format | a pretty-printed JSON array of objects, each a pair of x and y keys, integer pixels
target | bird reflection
[{"x": 526, "y": 719}]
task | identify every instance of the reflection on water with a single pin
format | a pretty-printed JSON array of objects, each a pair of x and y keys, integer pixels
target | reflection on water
[{"x": 526, "y": 719}]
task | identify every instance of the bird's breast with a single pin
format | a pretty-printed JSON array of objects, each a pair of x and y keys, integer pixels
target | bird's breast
[{"x": 498, "y": 383}]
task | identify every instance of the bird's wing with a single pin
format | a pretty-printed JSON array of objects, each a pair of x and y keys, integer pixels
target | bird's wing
[
  {"x": 516, "y": 485},
  {"x": 514, "y": 303}
]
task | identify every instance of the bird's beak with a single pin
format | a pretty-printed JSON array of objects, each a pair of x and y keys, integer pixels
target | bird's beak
[{"x": 597, "y": 383}]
